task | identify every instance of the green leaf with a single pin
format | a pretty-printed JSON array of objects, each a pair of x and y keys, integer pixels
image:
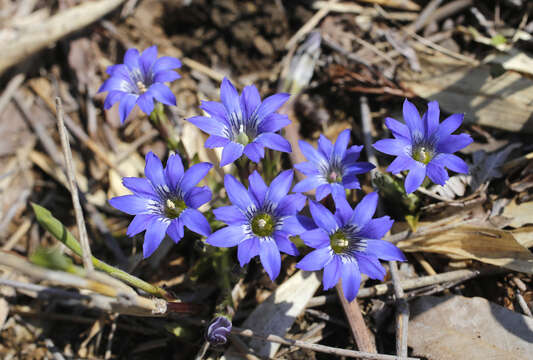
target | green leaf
[{"x": 498, "y": 40}]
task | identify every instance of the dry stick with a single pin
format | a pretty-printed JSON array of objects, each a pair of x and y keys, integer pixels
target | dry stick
[
  {"x": 402, "y": 306},
  {"x": 445, "y": 11},
  {"x": 10, "y": 90},
  {"x": 314, "y": 347},
  {"x": 424, "y": 15},
  {"x": 112, "y": 330},
  {"x": 69, "y": 168}
]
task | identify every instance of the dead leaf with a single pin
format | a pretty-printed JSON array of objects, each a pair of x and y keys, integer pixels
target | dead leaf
[
  {"x": 520, "y": 214},
  {"x": 488, "y": 245},
  {"x": 514, "y": 60},
  {"x": 455, "y": 327},
  {"x": 4, "y": 311},
  {"x": 487, "y": 167},
  {"x": 454, "y": 187},
  {"x": 524, "y": 236}
]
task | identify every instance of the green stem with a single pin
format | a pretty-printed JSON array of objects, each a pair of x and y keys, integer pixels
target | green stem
[
  {"x": 161, "y": 122},
  {"x": 61, "y": 233}
]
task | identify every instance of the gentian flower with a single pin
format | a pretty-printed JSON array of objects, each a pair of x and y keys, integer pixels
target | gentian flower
[
  {"x": 423, "y": 146},
  {"x": 330, "y": 165},
  {"x": 348, "y": 243},
  {"x": 218, "y": 331},
  {"x": 260, "y": 220},
  {"x": 165, "y": 201},
  {"x": 243, "y": 124},
  {"x": 139, "y": 81}
]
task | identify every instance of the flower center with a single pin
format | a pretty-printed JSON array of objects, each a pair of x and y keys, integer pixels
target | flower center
[
  {"x": 423, "y": 154},
  {"x": 263, "y": 225},
  {"x": 174, "y": 208},
  {"x": 142, "y": 88},
  {"x": 334, "y": 177},
  {"x": 339, "y": 242},
  {"x": 242, "y": 138}
]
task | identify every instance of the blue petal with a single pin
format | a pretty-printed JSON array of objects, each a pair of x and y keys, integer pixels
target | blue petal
[
  {"x": 384, "y": 250},
  {"x": 393, "y": 146},
  {"x": 322, "y": 191},
  {"x": 413, "y": 120},
  {"x": 342, "y": 143},
  {"x": 215, "y": 141},
  {"x": 120, "y": 71},
  {"x": 311, "y": 153},
  {"x": 323, "y": 217},
  {"x": 257, "y": 187},
  {"x": 343, "y": 210},
  {"x": 370, "y": 265},
  {"x": 376, "y": 228},
  {"x": 270, "y": 257},
  {"x": 254, "y": 151},
  {"x": 415, "y": 177},
  {"x": 166, "y": 76},
  {"x": 165, "y": 63},
  {"x": 432, "y": 118},
  {"x": 173, "y": 171},
  {"x": 175, "y": 230},
  {"x": 139, "y": 223},
  {"x": 163, "y": 94},
  {"x": 247, "y": 249},
  {"x": 351, "y": 280},
  {"x": 226, "y": 237},
  {"x": 126, "y": 105},
  {"x": 308, "y": 184},
  {"x": 273, "y": 122},
  {"x": 197, "y": 196},
  {"x": 195, "y": 221},
  {"x": 352, "y": 155},
  {"x": 364, "y": 211},
  {"x": 359, "y": 168},
  {"x": 146, "y": 102},
  {"x": 291, "y": 204},
  {"x": 274, "y": 141},
  {"x": 279, "y": 187},
  {"x": 131, "y": 59},
  {"x": 115, "y": 84},
  {"x": 401, "y": 163},
  {"x": 449, "y": 125},
  {"x": 154, "y": 235},
  {"x": 325, "y": 146},
  {"x": 332, "y": 273},
  {"x": 398, "y": 129},
  {"x": 250, "y": 100},
  {"x": 284, "y": 244},
  {"x": 307, "y": 168},
  {"x": 208, "y": 124},
  {"x": 271, "y": 104},
  {"x": 194, "y": 175},
  {"x": 231, "y": 215},
  {"x": 230, "y": 97},
  {"x": 297, "y": 225},
  {"x": 147, "y": 59},
  {"x": 131, "y": 204},
  {"x": 112, "y": 98},
  {"x": 237, "y": 193},
  {"x": 350, "y": 181},
  {"x": 316, "y": 259},
  {"x": 214, "y": 109},
  {"x": 140, "y": 187},
  {"x": 232, "y": 151},
  {"x": 452, "y": 162},
  {"x": 317, "y": 238},
  {"x": 437, "y": 173},
  {"x": 154, "y": 171},
  {"x": 453, "y": 143}
]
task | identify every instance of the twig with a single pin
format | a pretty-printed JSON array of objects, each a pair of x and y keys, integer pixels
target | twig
[
  {"x": 314, "y": 347},
  {"x": 424, "y": 15},
  {"x": 402, "y": 312},
  {"x": 308, "y": 26},
  {"x": 366, "y": 122},
  {"x": 17, "y": 235},
  {"x": 10, "y": 90},
  {"x": 69, "y": 168},
  {"x": 112, "y": 330}
]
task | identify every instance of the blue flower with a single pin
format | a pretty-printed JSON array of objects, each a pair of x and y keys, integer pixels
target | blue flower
[
  {"x": 218, "y": 331},
  {"x": 243, "y": 124},
  {"x": 423, "y": 146},
  {"x": 348, "y": 243},
  {"x": 165, "y": 201},
  {"x": 139, "y": 81},
  {"x": 331, "y": 166},
  {"x": 260, "y": 220}
]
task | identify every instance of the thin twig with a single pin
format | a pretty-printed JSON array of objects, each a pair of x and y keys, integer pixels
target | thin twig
[
  {"x": 10, "y": 90},
  {"x": 402, "y": 312},
  {"x": 112, "y": 330},
  {"x": 314, "y": 347},
  {"x": 69, "y": 168}
]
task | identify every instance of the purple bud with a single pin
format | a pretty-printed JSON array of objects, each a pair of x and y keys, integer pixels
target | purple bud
[{"x": 218, "y": 331}]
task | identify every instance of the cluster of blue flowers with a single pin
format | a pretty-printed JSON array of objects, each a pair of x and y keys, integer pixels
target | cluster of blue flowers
[{"x": 262, "y": 218}]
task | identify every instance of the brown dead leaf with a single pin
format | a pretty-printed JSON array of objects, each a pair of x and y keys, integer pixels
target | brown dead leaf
[
  {"x": 488, "y": 245},
  {"x": 524, "y": 236},
  {"x": 520, "y": 214},
  {"x": 456, "y": 327}
]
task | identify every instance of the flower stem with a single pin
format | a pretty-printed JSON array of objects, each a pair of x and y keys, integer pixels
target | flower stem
[{"x": 161, "y": 122}]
